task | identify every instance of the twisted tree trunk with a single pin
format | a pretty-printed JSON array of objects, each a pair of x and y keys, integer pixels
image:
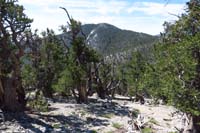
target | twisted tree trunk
[
  {"x": 11, "y": 100},
  {"x": 12, "y": 94}
]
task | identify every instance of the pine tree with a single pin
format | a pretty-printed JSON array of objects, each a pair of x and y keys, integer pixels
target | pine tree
[
  {"x": 177, "y": 62},
  {"x": 13, "y": 23},
  {"x": 80, "y": 56},
  {"x": 135, "y": 73}
]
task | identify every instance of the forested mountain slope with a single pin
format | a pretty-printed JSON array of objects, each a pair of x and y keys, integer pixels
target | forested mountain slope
[{"x": 108, "y": 39}]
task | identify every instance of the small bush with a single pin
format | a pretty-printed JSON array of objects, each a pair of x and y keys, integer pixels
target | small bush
[
  {"x": 153, "y": 121},
  {"x": 134, "y": 113},
  {"x": 107, "y": 115},
  {"x": 147, "y": 130},
  {"x": 39, "y": 103},
  {"x": 56, "y": 126},
  {"x": 116, "y": 125}
]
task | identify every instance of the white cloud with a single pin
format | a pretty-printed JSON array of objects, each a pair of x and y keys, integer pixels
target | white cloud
[
  {"x": 105, "y": 7},
  {"x": 152, "y": 8},
  {"x": 150, "y": 25},
  {"x": 99, "y": 6},
  {"x": 46, "y": 13}
]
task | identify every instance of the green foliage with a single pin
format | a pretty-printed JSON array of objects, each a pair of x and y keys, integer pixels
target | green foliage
[
  {"x": 79, "y": 57},
  {"x": 28, "y": 76},
  {"x": 116, "y": 125},
  {"x": 134, "y": 113},
  {"x": 44, "y": 62},
  {"x": 153, "y": 121},
  {"x": 14, "y": 22},
  {"x": 109, "y": 116},
  {"x": 147, "y": 130},
  {"x": 39, "y": 103},
  {"x": 56, "y": 125},
  {"x": 135, "y": 73},
  {"x": 53, "y": 60},
  {"x": 174, "y": 75},
  {"x": 177, "y": 73},
  {"x": 64, "y": 83}
]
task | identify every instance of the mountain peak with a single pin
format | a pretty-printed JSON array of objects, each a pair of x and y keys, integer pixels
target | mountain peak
[
  {"x": 106, "y": 25},
  {"x": 108, "y": 39}
]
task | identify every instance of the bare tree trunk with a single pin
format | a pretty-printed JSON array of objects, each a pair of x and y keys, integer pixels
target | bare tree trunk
[
  {"x": 82, "y": 93},
  {"x": 11, "y": 103},
  {"x": 101, "y": 91},
  {"x": 20, "y": 93},
  {"x": 13, "y": 96},
  {"x": 89, "y": 83},
  {"x": 100, "y": 88}
]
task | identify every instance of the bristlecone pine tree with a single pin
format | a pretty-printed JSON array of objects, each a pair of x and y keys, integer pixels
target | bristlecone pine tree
[
  {"x": 13, "y": 23},
  {"x": 80, "y": 56}
]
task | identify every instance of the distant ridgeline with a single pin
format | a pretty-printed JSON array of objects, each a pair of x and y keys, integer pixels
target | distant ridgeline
[{"x": 116, "y": 44}]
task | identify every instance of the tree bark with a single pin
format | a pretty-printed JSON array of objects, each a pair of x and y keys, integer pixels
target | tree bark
[
  {"x": 13, "y": 96},
  {"x": 100, "y": 88},
  {"x": 17, "y": 80},
  {"x": 101, "y": 92},
  {"x": 89, "y": 82},
  {"x": 82, "y": 95},
  {"x": 12, "y": 30},
  {"x": 11, "y": 102}
]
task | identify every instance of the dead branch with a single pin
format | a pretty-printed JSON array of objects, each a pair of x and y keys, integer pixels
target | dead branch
[{"x": 70, "y": 19}]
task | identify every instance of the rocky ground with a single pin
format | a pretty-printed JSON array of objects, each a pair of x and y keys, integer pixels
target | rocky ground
[{"x": 98, "y": 116}]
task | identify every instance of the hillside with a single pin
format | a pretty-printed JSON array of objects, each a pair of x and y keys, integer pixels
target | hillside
[{"x": 109, "y": 40}]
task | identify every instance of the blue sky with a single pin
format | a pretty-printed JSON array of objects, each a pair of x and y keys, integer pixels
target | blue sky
[{"x": 138, "y": 15}]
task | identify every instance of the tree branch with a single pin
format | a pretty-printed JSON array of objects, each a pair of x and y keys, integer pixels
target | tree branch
[{"x": 70, "y": 19}]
